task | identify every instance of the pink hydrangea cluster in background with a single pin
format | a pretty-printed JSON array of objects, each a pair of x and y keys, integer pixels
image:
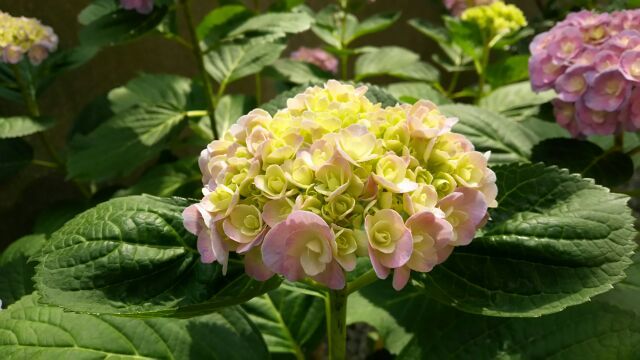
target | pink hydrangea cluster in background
[
  {"x": 592, "y": 61},
  {"x": 20, "y": 36},
  {"x": 317, "y": 57},
  {"x": 457, "y": 7},
  {"x": 141, "y": 6},
  {"x": 334, "y": 177}
]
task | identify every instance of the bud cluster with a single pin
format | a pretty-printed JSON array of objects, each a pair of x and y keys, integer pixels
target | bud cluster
[
  {"x": 20, "y": 36},
  {"x": 592, "y": 61},
  {"x": 495, "y": 19},
  {"x": 333, "y": 177},
  {"x": 317, "y": 57}
]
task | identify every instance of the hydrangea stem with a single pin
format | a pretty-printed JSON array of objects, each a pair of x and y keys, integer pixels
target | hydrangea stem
[
  {"x": 336, "y": 309},
  {"x": 482, "y": 70},
  {"x": 197, "y": 52}
]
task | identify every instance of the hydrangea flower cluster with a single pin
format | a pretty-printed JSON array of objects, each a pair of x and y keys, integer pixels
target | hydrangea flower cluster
[
  {"x": 457, "y": 7},
  {"x": 317, "y": 57},
  {"x": 496, "y": 18},
  {"x": 592, "y": 61},
  {"x": 333, "y": 177},
  {"x": 21, "y": 35},
  {"x": 141, "y": 6}
]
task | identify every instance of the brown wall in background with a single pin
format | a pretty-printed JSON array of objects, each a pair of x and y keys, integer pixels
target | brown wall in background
[{"x": 35, "y": 189}]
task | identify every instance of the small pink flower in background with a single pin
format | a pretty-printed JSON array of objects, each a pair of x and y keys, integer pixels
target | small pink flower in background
[
  {"x": 141, "y": 6},
  {"x": 592, "y": 61},
  {"x": 457, "y": 7},
  {"x": 317, "y": 57}
]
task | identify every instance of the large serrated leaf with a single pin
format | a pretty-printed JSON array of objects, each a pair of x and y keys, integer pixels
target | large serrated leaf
[
  {"x": 122, "y": 143},
  {"x": 288, "y": 321},
  {"x": 152, "y": 89},
  {"x": 132, "y": 256},
  {"x": 516, "y": 101},
  {"x": 507, "y": 140},
  {"x": 29, "y": 330},
  {"x": 16, "y": 269},
  {"x": 555, "y": 240},
  {"x": 228, "y": 63},
  {"x": 17, "y": 126}
]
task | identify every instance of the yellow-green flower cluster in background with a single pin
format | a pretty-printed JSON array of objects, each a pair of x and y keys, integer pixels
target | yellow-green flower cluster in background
[
  {"x": 333, "y": 177},
  {"x": 21, "y": 36},
  {"x": 496, "y": 19}
]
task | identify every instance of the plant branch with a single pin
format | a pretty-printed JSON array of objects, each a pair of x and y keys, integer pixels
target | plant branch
[
  {"x": 634, "y": 151},
  {"x": 197, "y": 52},
  {"x": 482, "y": 70},
  {"x": 363, "y": 280}
]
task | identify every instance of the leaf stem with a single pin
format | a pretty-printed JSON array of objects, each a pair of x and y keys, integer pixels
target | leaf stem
[
  {"x": 336, "y": 311},
  {"x": 363, "y": 280},
  {"x": 634, "y": 151},
  {"x": 196, "y": 113},
  {"x": 197, "y": 52},
  {"x": 44, "y": 163},
  {"x": 618, "y": 141},
  {"x": 482, "y": 70}
]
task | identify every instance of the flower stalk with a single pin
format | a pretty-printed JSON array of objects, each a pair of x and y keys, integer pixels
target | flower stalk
[{"x": 336, "y": 309}]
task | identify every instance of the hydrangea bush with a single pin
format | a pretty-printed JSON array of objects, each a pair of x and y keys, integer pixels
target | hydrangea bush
[{"x": 446, "y": 212}]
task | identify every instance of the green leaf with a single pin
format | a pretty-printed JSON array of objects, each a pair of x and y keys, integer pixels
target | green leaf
[
  {"x": 18, "y": 126},
  {"x": 509, "y": 70},
  {"x": 32, "y": 331},
  {"x": 181, "y": 178},
  {"x": 374, "y": 24},
  {"x": 554, "y": 241},
  {"x": 299, "y": 72},
  {"x": 16, "y": 269},
  {"x": 626, "y": 293},
  {"x": 232, "y": 62},
  {"x": 288, "y": 321},
  {"x": 95, "y": 10},
  {"x": 410, "y": 92},
  {"x": 171, "y": 91},
  {"x": 608, "y": 168},
  {"x": 394, "y": 61},
  {"x": 132, "y": 256},
  {"x": 516, "y": 101},
  {"x": 507, "y": 140},
  {"x": 274, "y": 23},
  {"x": 120, "y": 26},
  {"x": 218, "y": 17},
  {"x": 14, "y": 155},
  {"x": 329, "y": 24},
  {"x": 441, "y": 37},
  {"x": 67, "y": 59},
  {"x": 230, "y": 108},
  {"x": 123, "y": 143},
  {"x": 465, "y": 35}
]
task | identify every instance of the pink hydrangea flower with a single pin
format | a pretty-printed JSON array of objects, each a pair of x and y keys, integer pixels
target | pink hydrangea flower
[
  {"x": 390, "y": 241},
  {"x": 141, "y": 6},
  {"x": 300, "y": 246},
  {"x": 317, "y": 57},
  {"x": 592, "y": 60}
]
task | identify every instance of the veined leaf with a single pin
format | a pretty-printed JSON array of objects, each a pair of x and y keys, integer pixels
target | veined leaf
[
  {"x": 394, "y": 61},
  {"x": 507, "y": 140},
  {"x": 230, "y": 108},
  {"x": 219, "y": 16},
  {"x": 555, "y": 241},
  {"x": 608, "y": 168},
  {"x": 29, "y": 330},
  {"x": 122, "y": 143},
  {"x": 299, "y": 72},
  {"x": 232, "y": 62},
  {"x": 509, "y": 70},
  {"x": 17, "y": 272},
  {"x": 626, "y": 293},
  {"x": 374, "y": 24},
  {"x": 275, "y": 23},
  {"x": 18, "y": 126},
  {"x": 288, "y": 321},
  {"x": 132, "y": 256},
  {"x": 171, "y": 91},
  {"x": 410, "y": 92},
  {"x": 516, "y": 101}
]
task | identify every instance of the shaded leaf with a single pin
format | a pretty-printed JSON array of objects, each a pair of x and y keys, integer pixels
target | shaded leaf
[
  {"x": 170, "y": 91},
  {"x": 410, "y": 92},
  {"x": 510, "y": 70},
  {"x": 394, "y": 61},
  {"x": 121, "y": 26},
  {"x": 132, "y": 256},
  {"x": 507, "y": 140},
  {"x": 516, "y": 101},
  {"x": 33, "y": 331},
  {"x": 95, "y": 10},
  {"x": 217, "y": 17},
  {"x": 16, "y": 269},
  {"x": 122, "y": 143},
  {"x": 299, "y": 72},
  {"x": 555, "y": 241},
  {"x": 609, "y": 168},
  {"x": 181, "y": 178},
  {"x": 18, "y": 126},
  {"x": 232, "y": 62},
  {"x": 374, "y": 24},
  {"x": 230, "y": 108}
]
